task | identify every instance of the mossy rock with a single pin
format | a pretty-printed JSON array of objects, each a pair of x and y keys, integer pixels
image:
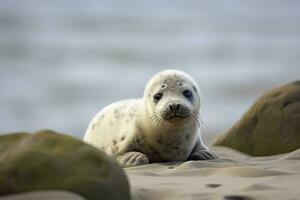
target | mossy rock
[
  {"x": 50, "y": 161},
  {"x": 271, "y": 126}
]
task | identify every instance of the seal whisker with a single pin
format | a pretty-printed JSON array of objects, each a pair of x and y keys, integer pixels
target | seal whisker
[
  {"x": 196, "y": 119},
  {"x": 156, "y": 119},
  {"x": 194, "y": 122},
  {"x": 199, "y": 117}
]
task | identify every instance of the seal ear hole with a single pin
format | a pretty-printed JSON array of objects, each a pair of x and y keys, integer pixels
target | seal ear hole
[
  {"x": 157, "y": 97},
  {"x": 180, "y": 84},
  {"x": 163, "y": 86}
]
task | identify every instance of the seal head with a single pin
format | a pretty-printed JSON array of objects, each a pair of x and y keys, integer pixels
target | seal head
[{"x": 172, "y": 98}]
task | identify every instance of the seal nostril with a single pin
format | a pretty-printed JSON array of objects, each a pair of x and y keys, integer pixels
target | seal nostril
[
  {"x": 177, "y": 107},
  {"x": 171, "y": 107}
]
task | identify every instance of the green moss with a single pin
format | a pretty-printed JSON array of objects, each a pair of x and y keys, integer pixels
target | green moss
[
  {"x": 50, "y": 161},
  {"x": 271, "y": 126}
]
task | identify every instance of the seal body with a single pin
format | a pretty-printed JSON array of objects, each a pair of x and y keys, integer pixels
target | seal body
[{"x": 162, "y": 126}]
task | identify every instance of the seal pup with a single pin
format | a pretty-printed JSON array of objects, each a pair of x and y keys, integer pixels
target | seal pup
[{"x": 162, "y": 126}]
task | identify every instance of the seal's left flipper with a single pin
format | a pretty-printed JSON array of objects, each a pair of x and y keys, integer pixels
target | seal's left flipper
[
  {"x": 202, "y": 155},
  {"x": 201, "y": 152}
]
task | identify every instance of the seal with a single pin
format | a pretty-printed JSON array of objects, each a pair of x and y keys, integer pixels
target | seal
[{"x": 162, "y": 126}]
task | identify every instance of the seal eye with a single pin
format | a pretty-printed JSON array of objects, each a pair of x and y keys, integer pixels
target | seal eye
[
  {"x": 188, "y": 94},
  {"x": 157, "y": 97}
]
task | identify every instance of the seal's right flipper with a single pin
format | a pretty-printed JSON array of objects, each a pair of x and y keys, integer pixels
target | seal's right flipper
[{"x": 132, "y": 158}]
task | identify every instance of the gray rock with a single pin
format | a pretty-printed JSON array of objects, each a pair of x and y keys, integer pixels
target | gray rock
[
  {"x": 50, "y": 161},
  {"x": 271, "y": 126}
]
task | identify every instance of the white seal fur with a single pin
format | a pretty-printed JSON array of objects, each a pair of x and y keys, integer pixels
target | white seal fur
[{"x": 162, "y": 126}]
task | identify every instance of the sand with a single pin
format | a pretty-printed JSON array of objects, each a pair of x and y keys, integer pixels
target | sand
[{"x": 233, "y": 177}]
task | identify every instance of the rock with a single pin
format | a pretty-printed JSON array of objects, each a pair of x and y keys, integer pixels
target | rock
[
  {"x": 50, "y": 161},
  {"x": 43, "y": 195},
  {"x": 271, "y": 126}
]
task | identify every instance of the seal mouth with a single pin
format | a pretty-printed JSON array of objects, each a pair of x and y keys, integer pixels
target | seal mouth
[
  {"x": 175, "y": 119},
  {"x": 177, "y": 111},
  {"x": 176, "y": 116}
]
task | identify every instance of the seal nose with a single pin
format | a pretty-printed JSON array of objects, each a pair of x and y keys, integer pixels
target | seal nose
[
  {"x": 172, "y": 107},
  {"x": 175, "y": 107}
]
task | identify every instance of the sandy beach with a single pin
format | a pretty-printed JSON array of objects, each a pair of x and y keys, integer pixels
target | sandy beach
[{"x": 233, "y": 177}]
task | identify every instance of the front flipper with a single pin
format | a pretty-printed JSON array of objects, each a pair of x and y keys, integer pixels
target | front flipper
[
  {"x": 202, "y": 155},
  {"x": 201, "y": 152},
  {"x": 132, "y": 158}
]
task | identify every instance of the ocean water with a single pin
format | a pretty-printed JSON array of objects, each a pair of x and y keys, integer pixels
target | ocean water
[{"x": 62, "y": 61}]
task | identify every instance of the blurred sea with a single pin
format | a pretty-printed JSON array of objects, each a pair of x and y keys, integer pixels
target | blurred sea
[{"x": 62, "y": 61}]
